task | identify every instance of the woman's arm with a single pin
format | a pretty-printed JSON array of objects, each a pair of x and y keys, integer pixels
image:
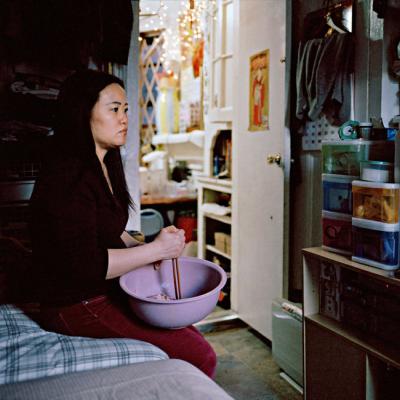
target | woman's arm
[{"x": 168, "y": 244}]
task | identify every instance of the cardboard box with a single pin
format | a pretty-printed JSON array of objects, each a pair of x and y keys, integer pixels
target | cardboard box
[{"x": 223, "y": 242}]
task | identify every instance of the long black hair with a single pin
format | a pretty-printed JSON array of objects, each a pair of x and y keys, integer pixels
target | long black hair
[{"x": 72, "y": 133}]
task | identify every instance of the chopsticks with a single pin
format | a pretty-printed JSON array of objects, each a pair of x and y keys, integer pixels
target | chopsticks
[
  {"x": 176, "y": 274},
  {"x": 177, "y": 278}
]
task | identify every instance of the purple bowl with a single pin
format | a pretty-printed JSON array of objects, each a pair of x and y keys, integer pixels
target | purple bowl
[{"x": 201, "y": 282}]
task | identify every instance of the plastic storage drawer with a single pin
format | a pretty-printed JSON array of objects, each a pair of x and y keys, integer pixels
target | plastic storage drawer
[
  {"x": 343, "y": 157},
  {"x": 376, "y": 201},
  {"x": 376, "y": 243},
  {"x": 336, "y": 232},
  {"x": 337, "y": 193}
]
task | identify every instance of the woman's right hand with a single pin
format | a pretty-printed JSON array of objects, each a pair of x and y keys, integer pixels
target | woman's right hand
[{"x": 170, "y": 242}]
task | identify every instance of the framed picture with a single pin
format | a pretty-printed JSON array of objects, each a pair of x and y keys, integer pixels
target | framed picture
[{"x": 259, "y": 92}]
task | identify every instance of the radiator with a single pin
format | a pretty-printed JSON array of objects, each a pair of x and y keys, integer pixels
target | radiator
[{"x": 287, "y": 338}]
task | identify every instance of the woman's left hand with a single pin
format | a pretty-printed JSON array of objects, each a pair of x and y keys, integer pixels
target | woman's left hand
[{"x": 170, "y": 242}]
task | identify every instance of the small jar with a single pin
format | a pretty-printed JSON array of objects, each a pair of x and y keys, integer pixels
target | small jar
[
  {"x": 365, "y": 130},
  {"x": 377, "y": 171}
]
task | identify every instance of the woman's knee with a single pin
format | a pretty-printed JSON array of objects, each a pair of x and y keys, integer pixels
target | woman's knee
[
  {"x": 209, "y": 364},
  {"x": 204, "y": 356}
]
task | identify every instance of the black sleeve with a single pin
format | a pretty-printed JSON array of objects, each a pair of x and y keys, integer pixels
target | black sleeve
[{"x": 65, "y": 230}]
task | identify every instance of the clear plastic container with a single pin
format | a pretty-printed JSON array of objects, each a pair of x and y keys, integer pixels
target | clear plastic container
[
  {"x": 375, "y": 243},
  {"x": 376, "y": 201},
  {"x": 343, "y": 157},
  {"x": 336, "y": 232},
  {"x": 377, "y": 171},
  {"x": 337, "y": 193}
]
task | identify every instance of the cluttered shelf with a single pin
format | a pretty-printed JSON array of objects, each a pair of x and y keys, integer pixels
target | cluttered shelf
[{"x": 350, "y": 326}]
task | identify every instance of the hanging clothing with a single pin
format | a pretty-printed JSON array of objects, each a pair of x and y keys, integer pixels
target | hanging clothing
[{"x": 323, "y": 78}]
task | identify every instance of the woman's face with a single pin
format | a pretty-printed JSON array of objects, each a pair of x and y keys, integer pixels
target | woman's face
[{"x": 109, "y": 120}]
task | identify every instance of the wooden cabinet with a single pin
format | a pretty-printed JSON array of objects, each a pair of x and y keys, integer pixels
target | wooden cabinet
[
  {"x": 351, "y": 320},
  {"x": 214, "y": 229}
]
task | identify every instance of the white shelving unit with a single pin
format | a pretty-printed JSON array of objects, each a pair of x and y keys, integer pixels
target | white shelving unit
[{"x": 209, "y": 191}]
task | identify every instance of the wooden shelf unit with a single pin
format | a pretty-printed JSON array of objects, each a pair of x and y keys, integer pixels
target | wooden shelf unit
[{"x": 343, "y": 361}]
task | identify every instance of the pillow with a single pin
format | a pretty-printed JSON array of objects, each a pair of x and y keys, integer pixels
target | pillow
[{"x": 29, "y": 352}]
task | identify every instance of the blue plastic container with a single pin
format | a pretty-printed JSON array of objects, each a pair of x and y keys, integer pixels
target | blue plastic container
[
  {"x": 375, "y": 243},
  {"x": 337, "y": 195}
]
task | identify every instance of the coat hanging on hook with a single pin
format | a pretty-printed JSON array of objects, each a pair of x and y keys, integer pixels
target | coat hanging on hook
[{"x": 324, "y": 64}]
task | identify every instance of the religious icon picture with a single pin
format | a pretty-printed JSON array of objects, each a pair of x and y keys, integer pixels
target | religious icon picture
[{"x": 259, "y": 92}]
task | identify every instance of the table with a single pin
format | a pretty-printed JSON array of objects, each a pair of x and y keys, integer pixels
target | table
[{"x": 168, "y": 206}]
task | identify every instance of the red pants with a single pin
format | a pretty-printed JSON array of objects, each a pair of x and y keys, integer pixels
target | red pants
[{"x": 104, "y": 317}]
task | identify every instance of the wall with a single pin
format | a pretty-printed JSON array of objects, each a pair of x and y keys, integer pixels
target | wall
[{"x": 131, "y": 159}]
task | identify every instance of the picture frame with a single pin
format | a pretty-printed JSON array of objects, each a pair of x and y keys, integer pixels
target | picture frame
[{"x": 259, "y": 91}]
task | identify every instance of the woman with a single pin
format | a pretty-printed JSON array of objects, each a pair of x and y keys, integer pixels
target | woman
[{"x": 79, "y": 210}]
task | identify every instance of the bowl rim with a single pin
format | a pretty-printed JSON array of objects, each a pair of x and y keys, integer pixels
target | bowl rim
[{"x": 224, "y": 278}]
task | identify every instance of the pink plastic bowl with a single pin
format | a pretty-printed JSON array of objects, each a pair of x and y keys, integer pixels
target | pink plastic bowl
[{"x": 201, "y": 282}]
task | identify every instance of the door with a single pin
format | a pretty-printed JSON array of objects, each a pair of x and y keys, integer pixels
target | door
[{"x": 260, "y": 185}]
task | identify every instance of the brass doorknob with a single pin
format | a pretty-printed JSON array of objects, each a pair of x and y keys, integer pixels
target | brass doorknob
[{"x": 274, "y": 158}]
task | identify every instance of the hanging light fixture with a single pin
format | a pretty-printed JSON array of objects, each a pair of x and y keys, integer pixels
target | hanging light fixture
[{"x": 184, "y": 32}]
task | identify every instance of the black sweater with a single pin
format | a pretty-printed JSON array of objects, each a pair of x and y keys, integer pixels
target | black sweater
[{"x": 75, "y": 219}]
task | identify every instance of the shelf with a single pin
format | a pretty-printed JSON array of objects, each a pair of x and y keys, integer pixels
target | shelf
[
  {"x": 373, "y": 346},
  {"x": 320, "y": 254},
  {"x": 219, "y": 185},
  {"x": 216, "y": 251},
  {"x": 226, "y": 219},
  {"x": 195, "y": 137}
]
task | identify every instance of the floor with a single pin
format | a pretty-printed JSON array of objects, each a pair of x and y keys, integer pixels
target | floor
[{"x": 246, "y": 369}]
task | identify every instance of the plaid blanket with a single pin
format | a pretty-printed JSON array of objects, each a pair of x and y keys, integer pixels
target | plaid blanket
[{"x": 29, "y": 352}]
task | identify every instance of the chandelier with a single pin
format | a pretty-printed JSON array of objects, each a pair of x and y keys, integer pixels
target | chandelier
[{"x": 181, "y": 27}]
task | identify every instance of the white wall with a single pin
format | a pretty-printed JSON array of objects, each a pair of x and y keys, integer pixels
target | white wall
[{"x": 133, "y": 141}]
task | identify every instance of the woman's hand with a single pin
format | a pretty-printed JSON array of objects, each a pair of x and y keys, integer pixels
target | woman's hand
[{"x": 170, "y": 242}]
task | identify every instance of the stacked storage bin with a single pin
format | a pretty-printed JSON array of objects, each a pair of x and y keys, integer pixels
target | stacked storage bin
[
  {"x": 336, "y": 213},
  {"x": 376, "y": 216},
  {"x": 341, "y": 166}
]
